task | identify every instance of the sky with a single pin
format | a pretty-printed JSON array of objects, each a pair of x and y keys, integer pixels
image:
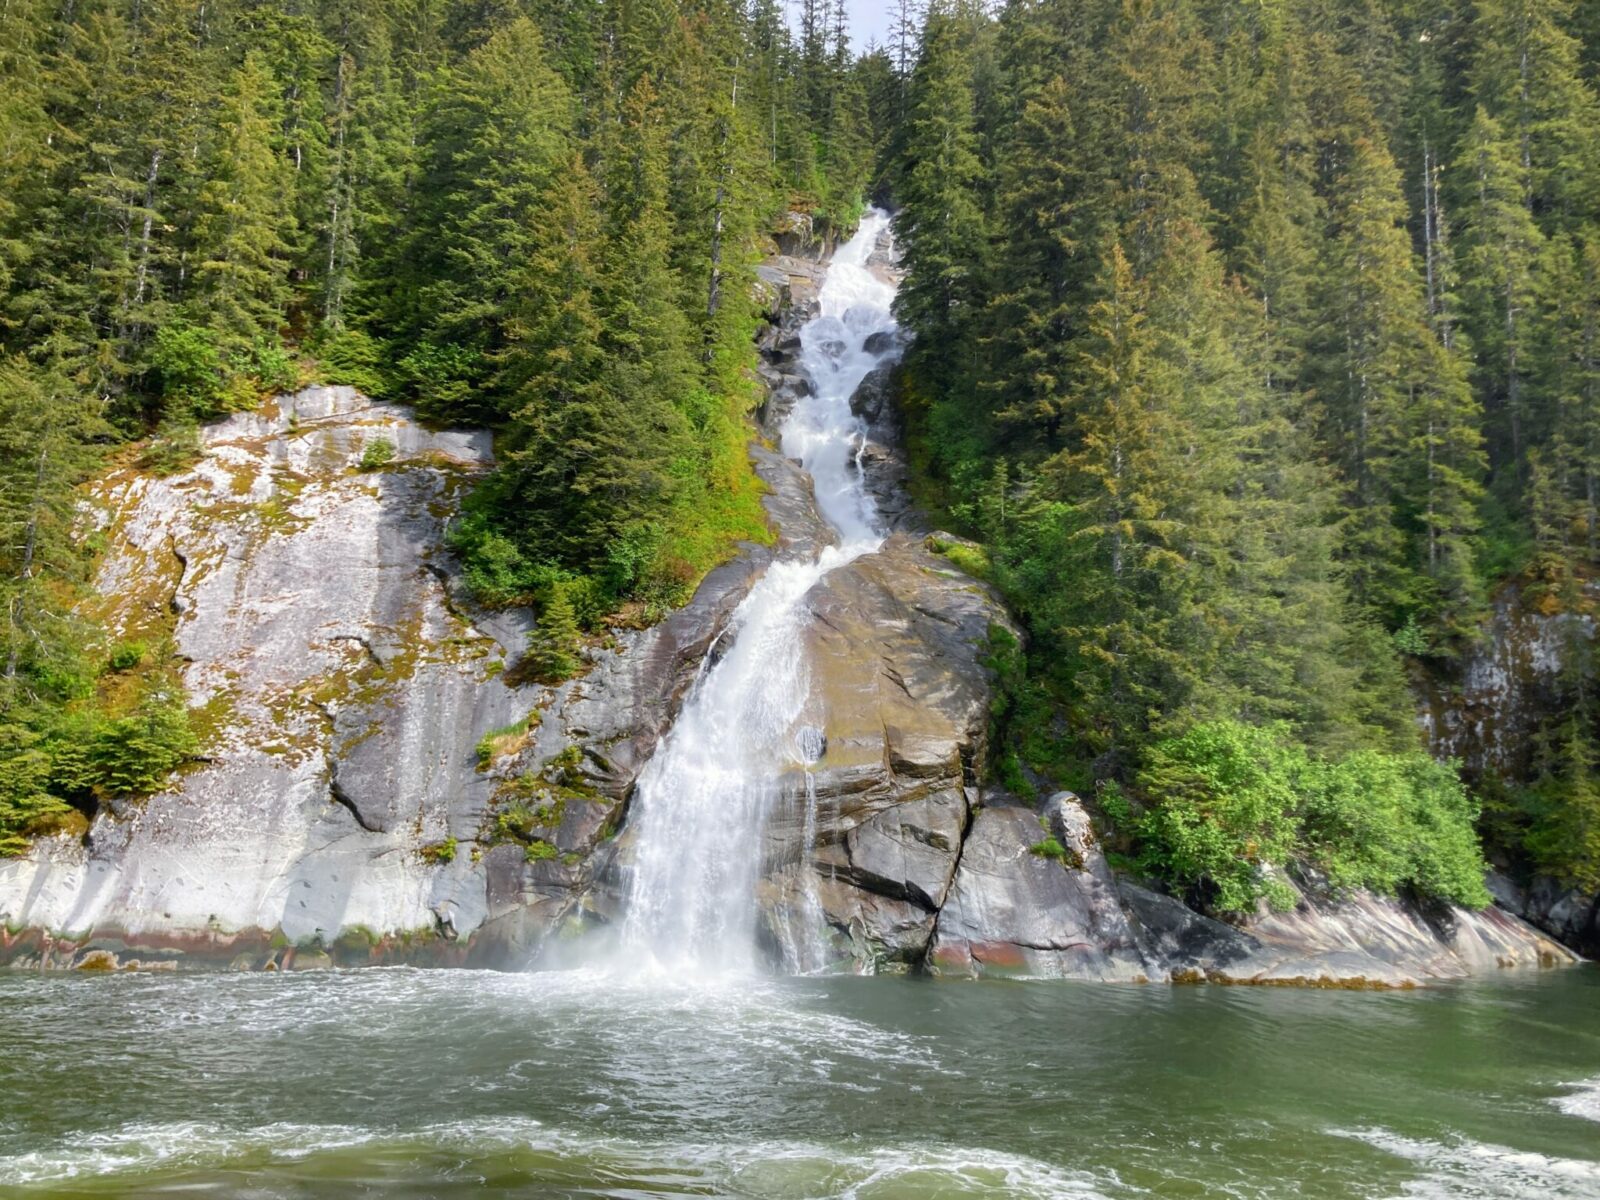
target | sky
[{"x": 869, "y": 21}]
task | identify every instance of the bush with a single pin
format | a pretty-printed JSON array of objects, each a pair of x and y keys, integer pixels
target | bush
[
  {"x": 131, "y": 755},
  {"x": 1223, "y": 799},
  {"x": 446, "y": 380},
  {"x": 356, "y": 358},
  {"x": 378, "y": 453},
  {"x": 27, "y": 806},
  {"x": 1227, "y": 802},
  {"x": 188, "y": 368},
  {"x": 274, "y": 368},
  {"x": 553, "y": 645},
  {"x": 125, "y": 656},
  {"x": 439, "y": 853}
]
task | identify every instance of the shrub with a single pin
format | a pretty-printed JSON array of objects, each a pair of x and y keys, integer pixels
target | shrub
[
  {"x": 378, "y": 453},
  {"x": 1223, "y": 805},
  {"x": 131, "y": 755},
  {"x": 539, "y": 851},
  {"x": 27, "y": 806},
  {"x": 446, "y": 380},
  {"x": 439, "y": 853},
  {"x": 125, "y": 656},
  {"x": 272, "y": 365},
  {"x": 354, "y": 357},
  {"x": 1227, "y": 802},
  {"x": 553, "y": 645},
  {"x": 188, "y": 368}
]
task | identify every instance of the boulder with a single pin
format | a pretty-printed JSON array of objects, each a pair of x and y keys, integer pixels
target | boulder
[{"x": 1016, "y": 910}]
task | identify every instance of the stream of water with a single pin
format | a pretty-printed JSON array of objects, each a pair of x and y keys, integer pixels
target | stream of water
[{"x": 704, "y": 799}]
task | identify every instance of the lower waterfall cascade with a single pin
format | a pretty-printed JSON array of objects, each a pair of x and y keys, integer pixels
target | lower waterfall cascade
[{"x": 747, "y": 730}]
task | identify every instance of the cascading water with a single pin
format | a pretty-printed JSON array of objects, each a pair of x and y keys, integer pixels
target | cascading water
[{"x": 704, "y": 800}]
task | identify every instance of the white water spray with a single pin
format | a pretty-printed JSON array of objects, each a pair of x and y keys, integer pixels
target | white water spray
[{"x": 703, "y": 802}]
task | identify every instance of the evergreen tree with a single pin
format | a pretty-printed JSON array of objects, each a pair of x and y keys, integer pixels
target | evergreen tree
[
  {"x": 940, "y": 223},
  {"x": 243, "y": 235}
]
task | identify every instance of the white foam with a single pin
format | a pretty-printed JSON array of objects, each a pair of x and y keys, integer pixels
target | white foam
[
  {"x": 1582, "y": 1099},
  {"x": 1466, "y": 1169},
  {"x": 774, "y": 1170}
]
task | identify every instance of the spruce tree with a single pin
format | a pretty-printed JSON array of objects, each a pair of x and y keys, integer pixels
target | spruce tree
[{"x": 244, "y": 232}]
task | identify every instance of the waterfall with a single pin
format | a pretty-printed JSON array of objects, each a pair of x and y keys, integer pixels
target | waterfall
[{"x": 703, "y": 801}]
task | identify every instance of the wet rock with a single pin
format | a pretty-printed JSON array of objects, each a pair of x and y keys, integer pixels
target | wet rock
[
  {"x": 899, "y": 691},
  {"x": 1014, "y": 911}
]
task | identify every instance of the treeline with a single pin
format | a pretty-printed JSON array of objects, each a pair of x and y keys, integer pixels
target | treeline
[
  {"x": 539, "y": 214},
  {"x": 1260, "y": 343}
]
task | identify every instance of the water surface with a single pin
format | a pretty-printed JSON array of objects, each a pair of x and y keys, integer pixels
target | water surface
[{"x": 413, "y": 1083}]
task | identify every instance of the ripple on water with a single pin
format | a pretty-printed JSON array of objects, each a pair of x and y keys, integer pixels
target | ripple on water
[{"x": 520, "y": 1153}]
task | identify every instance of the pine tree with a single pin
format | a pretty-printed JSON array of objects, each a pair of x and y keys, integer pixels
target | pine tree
[
  {"x": 243, "y": 233},
  {"x": 554, "y": 643},
  {"x": 496, "y": 130},
  {"x": 1500, "y": 249},
  {"x": 1122, "y": 536},
  {"x": 587, "y": 460},
  {"x": 1372, "y": 326},
  {"x": 48, "y": 432},
  {"x": 940, "y": 223}
]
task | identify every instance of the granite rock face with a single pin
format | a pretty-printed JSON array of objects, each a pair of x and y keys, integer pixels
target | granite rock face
[
  {"x": 1016, "y": 910},
  {"x": 340, "y": 687}
]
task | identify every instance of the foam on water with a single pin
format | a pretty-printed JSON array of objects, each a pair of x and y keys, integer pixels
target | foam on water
[
  {"x": 704, "y": 799},
  {"x": 1582, "y": 1099},
  {"x": 773, "y": 1170},
  {"x": 1466, "y": 1169}
]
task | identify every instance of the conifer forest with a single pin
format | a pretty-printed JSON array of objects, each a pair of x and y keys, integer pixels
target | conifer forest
[{"x": 1253, "y": 356}]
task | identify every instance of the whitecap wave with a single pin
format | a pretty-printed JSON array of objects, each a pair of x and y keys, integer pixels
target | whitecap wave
[
  {"x": 1582, "y": 1099},
  {"x": 1465, "y": 1169}
]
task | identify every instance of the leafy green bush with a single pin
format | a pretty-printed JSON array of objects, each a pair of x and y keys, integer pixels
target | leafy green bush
[
  {"x": 274, "y": 368},
  {"x": 1387, "y": 821},
  {"x": 27, "y": 806},
  {"x": 1222, "y": 804},
  {"x": 554, "y": 643},
  {"x": 378, "y": 453},
  {"x": 446, "y": 380},
  {"x": 1226, "y": 802},
  {"x": 188, "y": 368},
  {"x": 439, "y": 853},
  {"x": 355, "y": 357},
  {"x": 125, "y": 656}
]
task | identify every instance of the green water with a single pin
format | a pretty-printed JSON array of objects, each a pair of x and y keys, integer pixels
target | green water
[{"x": 408, "y": 1083}]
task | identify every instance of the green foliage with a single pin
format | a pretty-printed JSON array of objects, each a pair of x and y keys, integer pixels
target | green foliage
[
  {"x": 377, "y": 454},
  {"x": 188, "y": 370},
  {"x": 356, "y": 358},
  {"x": 540, "y": 851},
  {"x": 554, "y": 644},
  {"x": 1228, "y": 805},
  {"x": 439, "y": 853},
  {"x": 1049, "y": 848},
  {"x": 27, "y": 807},
  {"x": 125, "y": 656}
]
